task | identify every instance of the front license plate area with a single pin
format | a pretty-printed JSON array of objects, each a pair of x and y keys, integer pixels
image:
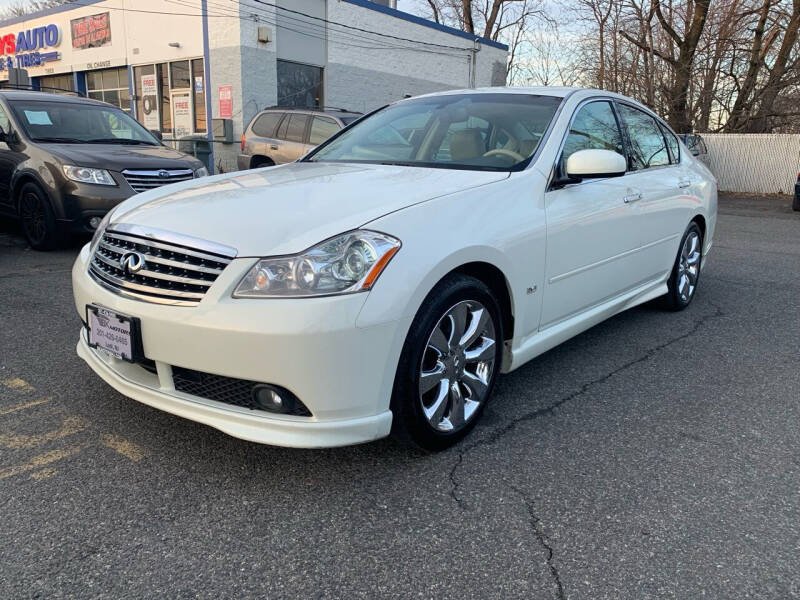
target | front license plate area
[{"x": 115, "y": 333}]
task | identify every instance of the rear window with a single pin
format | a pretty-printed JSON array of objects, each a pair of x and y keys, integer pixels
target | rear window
[
  {"x": 321, "y": 129},
  {"x": 265, "y": 124}
]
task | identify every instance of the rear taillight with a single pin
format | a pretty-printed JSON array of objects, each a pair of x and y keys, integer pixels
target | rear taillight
[{"x": 243, "y": 140}]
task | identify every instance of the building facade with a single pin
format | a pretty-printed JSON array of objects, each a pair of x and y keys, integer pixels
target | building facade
[{"x": 201, "y": 69}]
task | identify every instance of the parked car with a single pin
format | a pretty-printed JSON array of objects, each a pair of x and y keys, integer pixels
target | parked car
[
  {"x": 65, "y": 161},
  {"x": 695, "y": 143},
  {"x": 796, "y": 202},
  {"x": 280, "y": 135},
  {"x": 382, "y": 282}
]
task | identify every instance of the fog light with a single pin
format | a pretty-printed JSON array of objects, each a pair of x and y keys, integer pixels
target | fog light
[
  {"x": 269, "y": 398},
  {"x": 94, "y": 222}
]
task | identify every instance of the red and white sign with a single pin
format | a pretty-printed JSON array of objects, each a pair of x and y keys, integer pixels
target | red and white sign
[{"x": 226, "y": 102}]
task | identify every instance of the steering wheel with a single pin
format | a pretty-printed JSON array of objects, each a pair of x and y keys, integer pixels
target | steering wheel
[{"x": 504, "y": 152}]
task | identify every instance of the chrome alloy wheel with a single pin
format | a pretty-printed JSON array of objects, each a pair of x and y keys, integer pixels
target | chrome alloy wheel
[
  {"x": 689, "y": 266},
  {"x": 457, "y": 366}
]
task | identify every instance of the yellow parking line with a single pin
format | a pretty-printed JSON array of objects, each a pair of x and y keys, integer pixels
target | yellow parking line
[
  {"x": 70, "y": 426},
  {"x": 124, "y": 447},
  {"x": 11, "y": 409},
  {"x": 41, "y": 460},
  {"x": 45, "y": 473},
  {"x": 15, "y": 383}
]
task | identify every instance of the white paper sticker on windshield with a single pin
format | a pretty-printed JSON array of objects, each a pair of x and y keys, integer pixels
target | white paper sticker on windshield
[{"x": 38, "y": 117}]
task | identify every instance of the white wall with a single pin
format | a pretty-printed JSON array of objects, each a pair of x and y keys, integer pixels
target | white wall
[
  {"x": 754, "y": 163},
  {"x": 363, "y": 73}
]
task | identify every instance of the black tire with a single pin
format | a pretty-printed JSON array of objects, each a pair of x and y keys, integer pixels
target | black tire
[
  {"x": 409, "y": 421},
  {"x": 38, "y": 221},
  {"x": 674, "y": 299},
  {"x": 258, "y": 162}
]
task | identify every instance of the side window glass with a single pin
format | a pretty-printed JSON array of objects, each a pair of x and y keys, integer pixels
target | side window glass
[
  {"x": 648, "y": 148},
  {"x": 4, "y": 122},
  {"x": 281, "y": 135},
  {"x": 321, "y": 129},
  {"x": 593, "y": 128},
  {"x": 296, "y": 129},
  {"x": 672, "y": 144},
  {"x": 265, "y": 124}
]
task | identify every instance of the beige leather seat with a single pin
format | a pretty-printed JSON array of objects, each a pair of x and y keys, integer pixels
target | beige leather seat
[{"x": 466, "y": 144}]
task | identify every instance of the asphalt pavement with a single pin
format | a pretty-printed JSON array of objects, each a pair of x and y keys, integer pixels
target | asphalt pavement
[{"x": 654, "y": 456}]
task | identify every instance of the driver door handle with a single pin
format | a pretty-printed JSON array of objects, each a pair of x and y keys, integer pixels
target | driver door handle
[
  {"x": 684, "y": 183},
  {"x": 630, "y": 198}
]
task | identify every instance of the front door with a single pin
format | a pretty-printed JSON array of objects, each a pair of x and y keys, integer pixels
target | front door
[
  {"x": 664, "y": 206},
  {"x": 592, "y": 234}
]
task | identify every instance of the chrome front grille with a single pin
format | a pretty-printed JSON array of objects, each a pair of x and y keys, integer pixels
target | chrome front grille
[
  {"x": 141, "y": 181},
  {"x": 157, "y": 267}
]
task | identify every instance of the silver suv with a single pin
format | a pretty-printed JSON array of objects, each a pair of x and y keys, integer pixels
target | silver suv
[{"x": 280, "y": 135}]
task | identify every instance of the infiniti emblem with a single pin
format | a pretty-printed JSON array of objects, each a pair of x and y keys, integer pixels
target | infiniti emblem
[
  {"x": 163, "y": 173},
  {"x": 132, "y": 262}
]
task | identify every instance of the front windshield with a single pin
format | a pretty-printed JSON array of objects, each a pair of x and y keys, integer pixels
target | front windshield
[
  {"x": 489, "y": 131},
  {"x": 79, "y": 123}
]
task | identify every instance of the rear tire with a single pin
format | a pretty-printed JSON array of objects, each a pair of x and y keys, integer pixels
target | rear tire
[
  {"x": 38, "y": 221},
  {"x": 448, "y": 365},
  {"x": 685, "y": 276}
]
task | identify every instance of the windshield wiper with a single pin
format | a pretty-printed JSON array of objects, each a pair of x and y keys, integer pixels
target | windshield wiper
[
  {"x": 118, "y": 141},
  {"x": 59, "y": 140}
]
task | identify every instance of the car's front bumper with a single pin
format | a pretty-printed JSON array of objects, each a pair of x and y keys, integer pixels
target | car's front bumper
[{"x": 312, "y": 347}]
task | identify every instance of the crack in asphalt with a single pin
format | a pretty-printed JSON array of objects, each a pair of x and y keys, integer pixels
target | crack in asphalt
[
  {"x": 544, "y": 542},
  {"x": 497, "y": 434}
]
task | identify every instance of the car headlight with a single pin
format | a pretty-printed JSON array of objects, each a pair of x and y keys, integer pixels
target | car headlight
[
  {"x": 201, "y": 172},
  {"x": 345, "y": 264},
  {"x": 89, "y": 175},
  {"x": 98, "y": 233}
]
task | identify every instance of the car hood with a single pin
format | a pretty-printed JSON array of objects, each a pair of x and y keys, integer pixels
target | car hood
[
  {"x": 287, "y": 209},
  {"x": 117, "y": 157}
]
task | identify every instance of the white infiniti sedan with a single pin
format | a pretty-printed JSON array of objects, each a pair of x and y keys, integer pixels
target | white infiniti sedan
[{"x": 382, "y": 282}]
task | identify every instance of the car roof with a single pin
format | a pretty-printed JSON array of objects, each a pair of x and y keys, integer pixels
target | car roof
[
  {"x": 334, "y": 112},
  {"x": 11, "y": 94}
]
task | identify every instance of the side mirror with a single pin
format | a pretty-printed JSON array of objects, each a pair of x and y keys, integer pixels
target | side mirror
[
  {"x": 587, "y": 164},
  {"x": 157, "y": 134},
  {"x": 3, "y": 136}
]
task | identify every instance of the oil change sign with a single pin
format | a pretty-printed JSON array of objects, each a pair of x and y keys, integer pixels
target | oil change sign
[{"x": 30, "y": 48}]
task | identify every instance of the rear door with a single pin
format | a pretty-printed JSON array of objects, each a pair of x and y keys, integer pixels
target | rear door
[
  {"x": 261, "y": 141},
  {"x": 661, "y": 213},
  {"x": 592, "y": 233}
]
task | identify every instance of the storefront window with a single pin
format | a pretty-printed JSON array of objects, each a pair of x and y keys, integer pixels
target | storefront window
[
  {"x": 299, "y": 85},
  {"x": 198, "y": 79},
  {"x": 166, "y": 109},
  {"x": 110, "y": 85},
  {"x": 155, "y": 87},
  {"x": 57, "y": 83},
  {"x": 179, "y": 73}
]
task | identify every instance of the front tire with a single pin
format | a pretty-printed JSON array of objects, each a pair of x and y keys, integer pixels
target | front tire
[
  {"x": 685, "y": 275},
  {"x": 38, "y": 221},
  {"x": 449, "y": 364}
]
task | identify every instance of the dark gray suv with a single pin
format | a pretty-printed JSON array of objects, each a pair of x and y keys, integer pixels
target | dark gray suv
[
  {"x": 65, "y": 161},
  {"x": 281, "y": 135}
]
